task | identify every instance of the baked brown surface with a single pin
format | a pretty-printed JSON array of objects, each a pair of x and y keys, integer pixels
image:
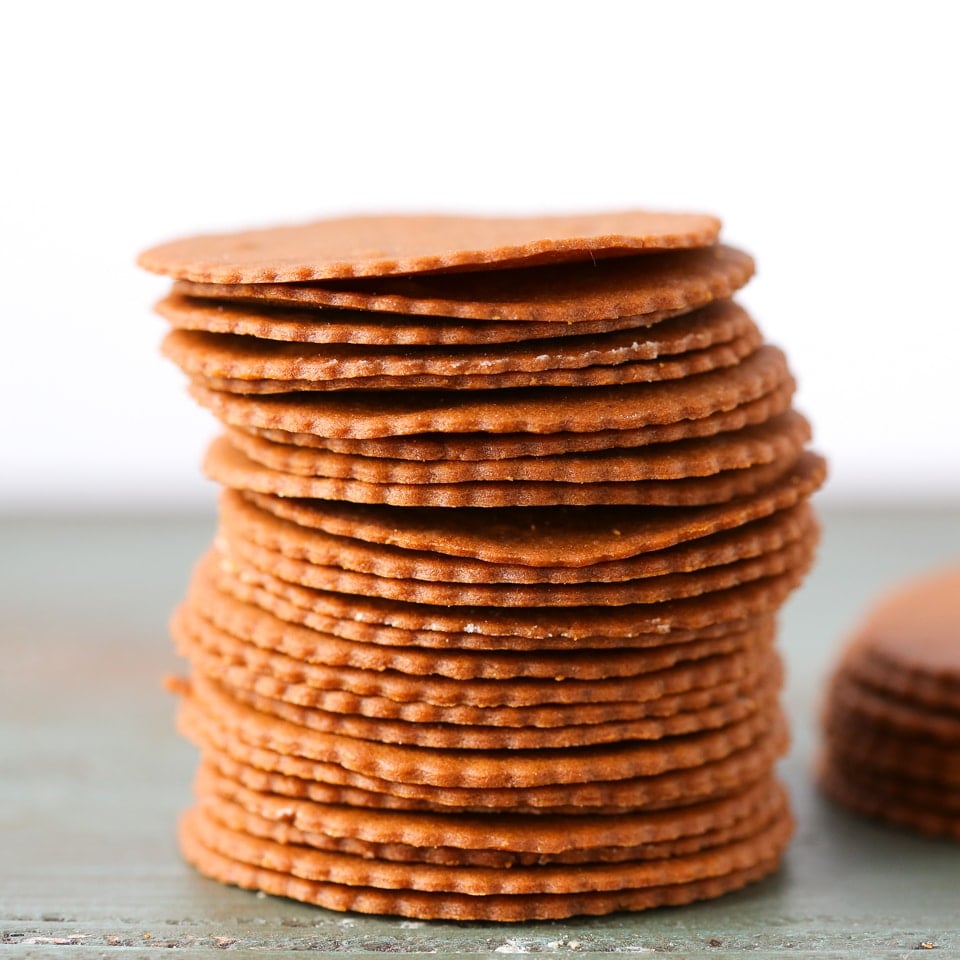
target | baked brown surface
[
  {"x": 892, "y": 718},
  {"x": 378, "y": 246},
  {"x": 510, "y": 510}
]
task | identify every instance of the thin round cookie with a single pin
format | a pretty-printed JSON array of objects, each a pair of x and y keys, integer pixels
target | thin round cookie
[
  {"x": 292, "y": 324},
  {"x": 488, "y": 769},
  {"x": 846, "y": 790},
  {"x": 480, "y": 446},
  {"x": 240, "y": 616},
  {"x": 271, "y": 670},
  {"x": 575, "y": 293},
  {"x": 287, "y": 704},
  {"x": 895, "y": 714},
  {"x": 362, "y": 415},
  {"x": 717, "y": 357},
  {"x": 502, "y": 833},
  {"x": 646, "y": 590},
  {"x": 312, "y": 863},
  {"x": 402, "y": 623},
  {"x": 776, "y": 438},
  {"x": 908, "y": 643},
  {"x": 541, "y": 536},
  {"x": 246, "y": 358},
  {"x": 400, "y": 716},
  {"x": 229, "y": 466},
  {"x": 240, "y": 517},
  {"x": 366, "y": 246},
  {"x": 434, "y": 906},
  {"x": 252, "y": 814},
  {"x": 263, "y": 768}
]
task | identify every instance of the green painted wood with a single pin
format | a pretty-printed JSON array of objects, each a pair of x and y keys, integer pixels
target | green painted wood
[{"x": 93, "y": 776}]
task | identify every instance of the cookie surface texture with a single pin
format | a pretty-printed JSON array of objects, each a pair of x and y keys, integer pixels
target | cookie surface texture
[
  {"x": 488, "y": 628},
  {"x": 892, "y": 723}
]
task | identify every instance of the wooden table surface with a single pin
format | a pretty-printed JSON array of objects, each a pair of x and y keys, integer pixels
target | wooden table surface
[{"x": 93, "y": 777}]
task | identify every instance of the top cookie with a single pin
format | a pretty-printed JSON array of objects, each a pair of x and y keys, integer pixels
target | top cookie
[
  {"x": 383, "y": 246},
  {"x": 917, "y": 629}
]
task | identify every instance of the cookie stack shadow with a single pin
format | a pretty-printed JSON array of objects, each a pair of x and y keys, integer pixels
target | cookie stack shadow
[
  {"x": 509, "y": 510},
  {"x": 892, "y": 717}
]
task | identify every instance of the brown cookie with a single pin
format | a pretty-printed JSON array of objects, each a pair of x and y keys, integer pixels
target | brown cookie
[
  {"x": 908, "y": 643},
  {"x": 265, "y": 769},
  {"x": 891, "y": 754},
  {"x": 316, "y": 864},
  {"x": 542, "y": 536},
  {"x": 843, "y": 787},
  {"x": 370, "y": 414},
  {"x": 246, "y": 358},
  {"x": 547, "y": 835},
  {"x": 480, "y": 446},
  {"x": 257, "y": 651},
  {"x": 793, "y": 555},
  {"x": 402, "y": 623},
  {"x": 781, "y": 437},
  {"x": 380, "y": 246},
  {"x": 574, "y": 293},
  {"x": 892, "y": 715},
  {"x": 239, "y": 617},
  {"x": 649, "y": 371},
  {"x": 255, "y": 814},
  {"x": 501, "y": 908},
  {"x": 747, "y": 698},
  {"x": 487, "y": 769},
  {"x": 228, "y": 465},
  {"x": 862, "y": 704},
  {"x": 240, "y": 517},
  {"x": 268, "y": 321}
]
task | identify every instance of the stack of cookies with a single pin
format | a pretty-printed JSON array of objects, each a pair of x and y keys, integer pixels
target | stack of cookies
[
  {"x": 510, "y": 507},
  {"x": 893, "y": 711}
]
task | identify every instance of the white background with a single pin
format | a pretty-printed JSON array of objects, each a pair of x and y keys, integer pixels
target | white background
[{"x": 824, "y": 134}]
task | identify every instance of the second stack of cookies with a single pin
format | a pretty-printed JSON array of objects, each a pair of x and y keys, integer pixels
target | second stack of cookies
[{"x": 487, "y": 631}]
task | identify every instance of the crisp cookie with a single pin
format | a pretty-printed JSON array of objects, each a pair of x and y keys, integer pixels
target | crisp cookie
[
  {"x": 242, "y": 518},
  {"x": 780, "y": 437},
  {"x": 192, "y": 631},
  {"x": 314, "y": 864},
  {"x": 892, "y": 720},
  {"x": 900, "y": 790},
  {"x": 268, "y": 321},
  {"x": 480, "y": 446},
  {"x": 240, "y": 616},
  {"x": 500, "y": 832},
  {"x": 908, "y": 644},
  {"x": 574, "y": 293},
  {"x": 242, "y": 357},
  {"x": 884, "y": 752},
  {"x": 543, "y": 410},
  {"x": 757, "y": 694},
  {"x": 434, "y": 906},
  {"x": 506, "y": 719},
  {"x": 263, "y": 768},
  {"x": 716, "y": 357},
  {"x": 671, "y": 793},
  {"x": 793, "y": 555},
  {"x": 846, "y": 790},
  {"x": 542, "y": 536},
  {"x": 487, "y": 769},
  {"x": 228, "y": 465},
  {"x": 401, "y": 623},
  {"x": 861, "y": 704},
  {"x": 244, "y": 821},
  {"x": 367, "y": 246}
]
